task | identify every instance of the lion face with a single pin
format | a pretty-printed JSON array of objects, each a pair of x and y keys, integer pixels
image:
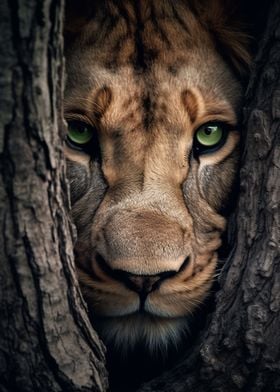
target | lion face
[{"x": 152, "y": 152}]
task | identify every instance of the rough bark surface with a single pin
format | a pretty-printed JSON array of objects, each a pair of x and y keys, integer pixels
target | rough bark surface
[
  {"x": 46, "y": 340},
  {"x": 240, "y": 349}
]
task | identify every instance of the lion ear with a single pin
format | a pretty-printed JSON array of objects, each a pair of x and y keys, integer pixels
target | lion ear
[
  {"x": 77, "y": 14},
  {"x": 225, "y": 20}
]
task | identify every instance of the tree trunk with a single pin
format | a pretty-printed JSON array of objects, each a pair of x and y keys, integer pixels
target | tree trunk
[
  {"x": 240, "y": 348},
  {"x": 46, "y": 340}
]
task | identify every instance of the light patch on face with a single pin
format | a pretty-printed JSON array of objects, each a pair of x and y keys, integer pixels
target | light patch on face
[
  {"x": 76, "y": 156},
  {"x": 215, "y": 158}
]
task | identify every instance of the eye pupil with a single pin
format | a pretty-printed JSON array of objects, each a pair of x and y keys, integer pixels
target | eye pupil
[{"x": 208, "y": 131}]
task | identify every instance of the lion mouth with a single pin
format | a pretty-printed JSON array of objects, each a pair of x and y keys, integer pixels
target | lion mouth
[{"x": 175, "y": 297}]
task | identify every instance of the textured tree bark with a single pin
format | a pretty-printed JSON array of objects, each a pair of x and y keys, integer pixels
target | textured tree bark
[
  {"x": 240, "y": 348},
  {"x": 46, "y": 340}
]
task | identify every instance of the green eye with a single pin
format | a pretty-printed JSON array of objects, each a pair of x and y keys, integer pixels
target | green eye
[
  {"x": 209, "y": 135},
  {"x": 79, "y": 133}
]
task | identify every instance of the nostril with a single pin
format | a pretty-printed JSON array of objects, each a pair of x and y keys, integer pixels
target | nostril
[{"x": 185, "y": 263}]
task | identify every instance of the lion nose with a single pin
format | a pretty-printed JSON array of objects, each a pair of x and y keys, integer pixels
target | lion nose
[
  {"x": 141, "y": 284},
  {"x": 145, "y": 242},
  {"x": 144, "y": 284}
]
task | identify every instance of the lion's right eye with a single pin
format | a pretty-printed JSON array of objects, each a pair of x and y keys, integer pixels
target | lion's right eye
[{"x": 79, "y": 133}]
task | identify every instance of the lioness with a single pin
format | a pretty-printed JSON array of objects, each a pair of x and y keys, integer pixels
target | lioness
[{"x": 152, "y": 100}]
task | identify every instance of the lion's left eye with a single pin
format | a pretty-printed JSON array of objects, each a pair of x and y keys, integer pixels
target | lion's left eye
[
  {"x": 79, "y": 133},
  {"x": 209, "y": 137}
]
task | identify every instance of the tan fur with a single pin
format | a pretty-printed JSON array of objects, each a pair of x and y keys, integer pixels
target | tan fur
[{"x": 158, "y": 205}]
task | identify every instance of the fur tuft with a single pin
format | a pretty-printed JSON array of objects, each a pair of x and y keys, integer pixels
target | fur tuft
[
  {"x": 157, "y": 334},
  {"x": 223, "y": 19}
]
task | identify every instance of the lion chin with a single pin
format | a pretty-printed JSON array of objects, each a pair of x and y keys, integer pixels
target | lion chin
[{"x": 157, "y": 334}]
